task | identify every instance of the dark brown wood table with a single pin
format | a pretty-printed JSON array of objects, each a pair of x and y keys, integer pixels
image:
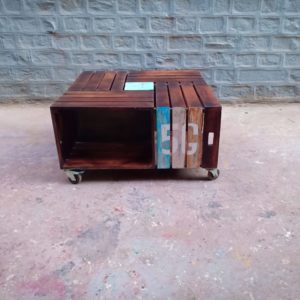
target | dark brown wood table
[{"x": 137, "y": 120}]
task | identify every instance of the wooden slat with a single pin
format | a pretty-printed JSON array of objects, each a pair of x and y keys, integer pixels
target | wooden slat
[
  {"x": 104, "y": 99},
  {"x": 159, "y": 79},
  {"x": 206, "y": 95},
  {"x": 119, "y": 81},
  {"x": 163, "y": 126},
  {"x": 81, "y": 81},
  {"x": 94, "y": 81},
  {"x": 162, "y": 95},
  {"x": 178, "y": 125},
  {"x": 99, "y": 155},
  {"x": 57, "y": 127},
  {"x": 107, "y": 81},
  {"x": 165, "y": 76},
  {"x": 105, "y": 164},
  {"x": 137, "y": 104},
  {"x": 176, "y": 97},
  {"x": 163, "y": 137},
  {"x": 110, "y": 94},
  {"x": 212, "y": 123},
  {"x": 194, "y": 139},
  {"x": 178, "y": 137},
  {"x": 165, "y": 73},
  {"x": 190, "y": 95}
]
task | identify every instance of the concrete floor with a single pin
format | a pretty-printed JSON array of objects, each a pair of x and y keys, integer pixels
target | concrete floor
[{"x": 153, "y": 235}]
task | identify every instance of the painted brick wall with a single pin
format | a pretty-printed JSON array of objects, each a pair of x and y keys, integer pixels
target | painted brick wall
[{"x": 247, "y": 49}]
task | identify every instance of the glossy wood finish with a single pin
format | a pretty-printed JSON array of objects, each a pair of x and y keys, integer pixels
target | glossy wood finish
[
  {"x": 93, "y": 82},
  {"x": 81, "y": 82},
  {"x": 97, "y": 98}
]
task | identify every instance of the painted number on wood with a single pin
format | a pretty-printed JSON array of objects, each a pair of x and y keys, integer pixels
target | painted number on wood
[
  {"x": 194, "y": 151},
  {"x": 193, "y": 134},
  {"x": 178, "y": 137},
  {"x": 163, "y": 137},
  {"x": 186, "y": 139}
]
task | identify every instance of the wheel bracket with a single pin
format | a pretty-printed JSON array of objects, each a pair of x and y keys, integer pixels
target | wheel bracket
[
  {"x": 213, "y": 173},
  {"x": 74, "y": 176}
]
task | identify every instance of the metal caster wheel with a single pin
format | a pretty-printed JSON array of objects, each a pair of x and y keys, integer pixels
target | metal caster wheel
[
  {"x": 213, "y": 174},
  {"x": 74, "y": 176},
  {"x": 77, "y": 179}
]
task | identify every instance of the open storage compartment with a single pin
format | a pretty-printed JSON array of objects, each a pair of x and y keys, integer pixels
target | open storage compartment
[{"x": 105, "y": 138}]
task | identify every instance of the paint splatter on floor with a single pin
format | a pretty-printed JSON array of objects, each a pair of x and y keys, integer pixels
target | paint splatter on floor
[{"x": 152, "y": 235}]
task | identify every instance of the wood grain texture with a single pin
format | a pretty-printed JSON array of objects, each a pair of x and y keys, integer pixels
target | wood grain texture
[
  {"x": 194, "y": 138},
  {"x": 206, "y": 95},
  {"x": 104, "y": 99},
  {"x": 119, "y": 82},
  {"x": 164, "y": 73},
  {"x": 107, "y": 81},
  {"x": 57, "y": 128},
  {"x": 190, "y": 95},
  {"x": 110, "y": 94},
  {"x": 163, "y": 146},
  {"x": 94, "y": 81},
  {"x": 176, "y": 96},
  {"x": 97, "y": 155},
  {"x": 212, "y": 123},
  {"x": 81, "y": 81},
  {"x": 162, "y": 79},
  {"x": 161, "y": 95},
  {"x": 178, "y": 137},
  {"x": 104, "y": 104}
]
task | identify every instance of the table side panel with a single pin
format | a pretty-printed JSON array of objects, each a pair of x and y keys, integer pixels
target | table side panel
[{"x": 212, "y": 124}]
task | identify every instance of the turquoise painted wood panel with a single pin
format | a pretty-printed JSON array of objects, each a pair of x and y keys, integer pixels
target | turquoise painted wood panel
[
  {"x": 178, "y": 137},
  {"x": 139, "y": 86},
  {"x": 163, "y": 146}
]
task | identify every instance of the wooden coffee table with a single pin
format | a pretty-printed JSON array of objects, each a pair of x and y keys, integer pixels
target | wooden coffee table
[{"x": 137, "y": 120}]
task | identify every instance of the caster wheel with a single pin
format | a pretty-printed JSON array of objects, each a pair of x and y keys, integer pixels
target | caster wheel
[
  {"x": 77, "y": 178},
  {"x": 74, "y": 176},
  {"x": 213, "y": 174}
]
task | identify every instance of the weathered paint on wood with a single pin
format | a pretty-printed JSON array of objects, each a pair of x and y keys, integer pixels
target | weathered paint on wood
[
  {"x": 194, "y": 145},
  {"x": 178, "y": 137},
  {"x": 163, "y": 147}
]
